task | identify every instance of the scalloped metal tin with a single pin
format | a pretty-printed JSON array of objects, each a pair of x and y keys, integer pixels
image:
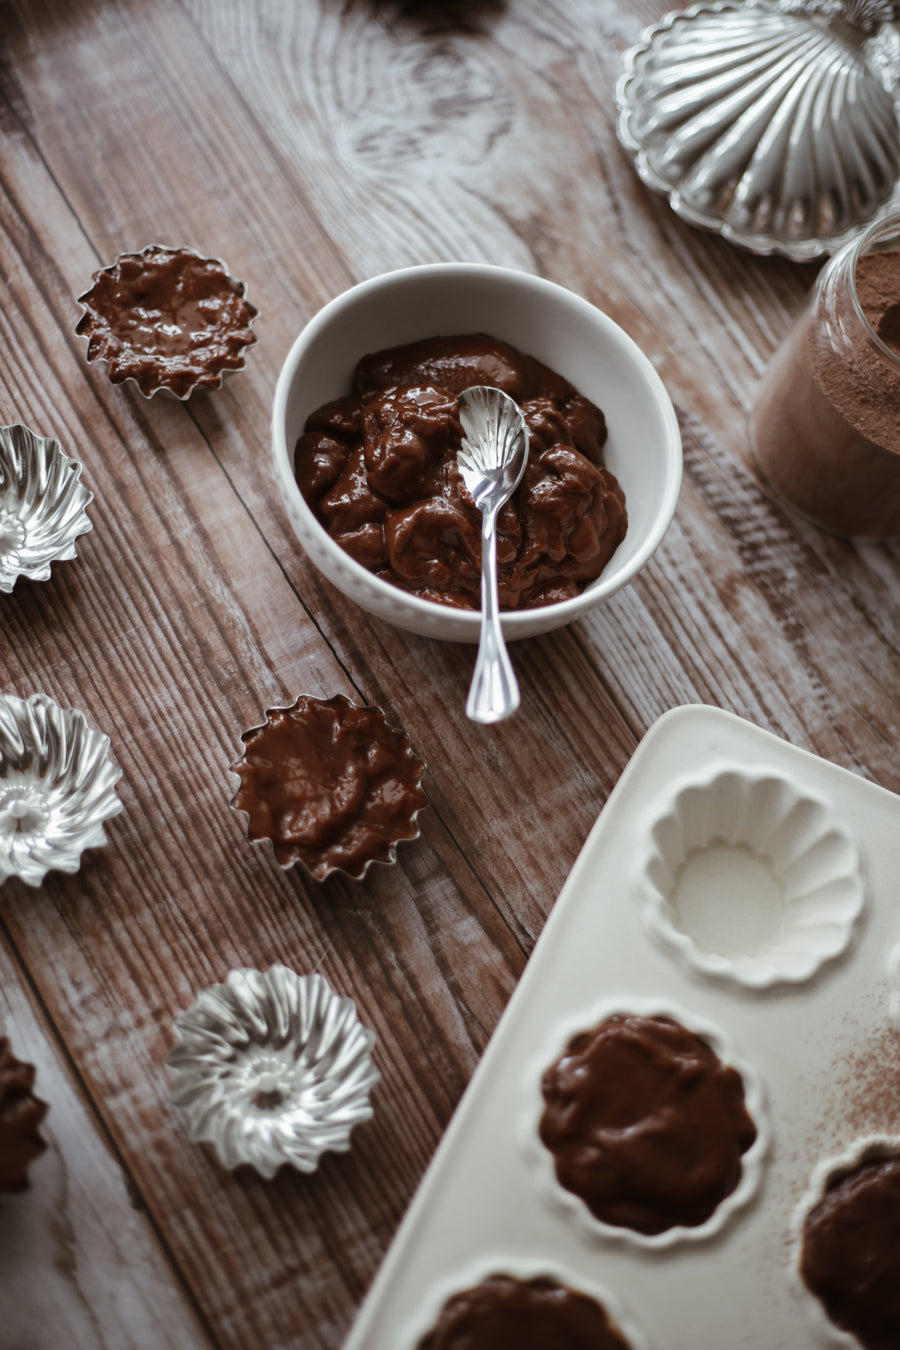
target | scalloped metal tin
[
  {"x": 730, "y": 834},
  {"x": 42, "y": 505},
  {"x": 771, "y": 122},
  {"x": 572, "y": 1206},
  {"x": 57, "y": 788},
  {"x": 272, "y": 1068},
  {"x": 248, "y": 803},
  {"x": 98, "y": 334}
]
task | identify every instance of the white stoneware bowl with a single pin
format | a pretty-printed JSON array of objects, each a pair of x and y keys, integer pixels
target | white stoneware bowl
[{"x": 548, "y": 322}]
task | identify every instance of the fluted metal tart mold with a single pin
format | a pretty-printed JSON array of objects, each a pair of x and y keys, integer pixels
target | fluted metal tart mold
[
  {"x": 246, "y": 799},
  {"x": 272, "y": 1068},
  {"x": 766, "y": 824},
  {"x": 772, "y": 122},
  {"x": 57, "y": 788},
  {"x": 42, "y": 505},
  {"x": 102, "y": 344}
]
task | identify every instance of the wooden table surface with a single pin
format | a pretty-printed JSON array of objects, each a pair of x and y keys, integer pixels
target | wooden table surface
[{"x": 312, "y": 144}]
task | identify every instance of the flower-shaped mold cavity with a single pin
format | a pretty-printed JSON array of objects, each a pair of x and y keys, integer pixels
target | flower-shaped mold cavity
[
  {"x": 57, "y": 787},
  {"x": 747, "y": 878},
  {"x": 509, "y": 1301},
  {"x": 845, "y": 1237},
  {"x": 168, "y": 319},
  {"x": 271, "y": 1068},
  {"x": 770, "y": 122},
  {"x": 42, "y": 505},
  {"x": 630, "y": 1144},
  {"x": 332, "y": 785}
]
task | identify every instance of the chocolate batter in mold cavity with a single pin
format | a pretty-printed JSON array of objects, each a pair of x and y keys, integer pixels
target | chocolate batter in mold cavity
[
  {"x": 491, "y": 1304},
  {"x": 747, "y": 878},
  {"x": 643, "y": 1125},
  {"x": 845, "y": 1238}
]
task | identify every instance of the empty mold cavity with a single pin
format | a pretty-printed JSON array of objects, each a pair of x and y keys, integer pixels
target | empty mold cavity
[{"x": 746, "y": 877}]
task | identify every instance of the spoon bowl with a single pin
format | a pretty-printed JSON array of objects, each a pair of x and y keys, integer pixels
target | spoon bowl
[{"x": 491, "y": 460}]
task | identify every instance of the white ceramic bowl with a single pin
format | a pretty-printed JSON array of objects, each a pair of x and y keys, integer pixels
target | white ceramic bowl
[{"x": 548, "y": 322}]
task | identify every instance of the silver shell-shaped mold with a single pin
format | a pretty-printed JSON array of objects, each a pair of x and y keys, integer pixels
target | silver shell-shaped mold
[
  {"x": 272, "y": 1068},
  {"x": 746, "y": 877},
  {"x": 42, "y": 505},
  {"x": 768, "y": 122},
  {"x": 57, "y": 788}
]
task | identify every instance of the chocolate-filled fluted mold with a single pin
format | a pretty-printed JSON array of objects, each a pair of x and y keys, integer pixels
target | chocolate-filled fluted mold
[
  {"x": 649, "y": 1129},
  {"x": 167, "y": 319},
  {"x": 846, "y": 1244},
  {"x": 330, "y": 785}
]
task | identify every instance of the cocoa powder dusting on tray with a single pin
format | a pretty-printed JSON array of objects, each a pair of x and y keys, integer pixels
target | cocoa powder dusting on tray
[{"x": 865, "y": 1096}]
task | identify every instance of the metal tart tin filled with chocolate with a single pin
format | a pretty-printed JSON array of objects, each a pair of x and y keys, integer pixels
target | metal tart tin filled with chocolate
[
  {"x": 168, "y": 319},
  {"x": 332, "y": 785}
]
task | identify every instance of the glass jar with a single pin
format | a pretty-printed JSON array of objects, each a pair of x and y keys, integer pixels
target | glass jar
[{"x": 825, "y": 426}]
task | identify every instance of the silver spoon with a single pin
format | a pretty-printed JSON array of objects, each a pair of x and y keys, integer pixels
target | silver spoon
[{"x": 491, "y": 459}]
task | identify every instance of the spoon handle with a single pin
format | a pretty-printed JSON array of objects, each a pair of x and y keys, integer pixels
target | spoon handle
[{"x": 494, "y": 691}]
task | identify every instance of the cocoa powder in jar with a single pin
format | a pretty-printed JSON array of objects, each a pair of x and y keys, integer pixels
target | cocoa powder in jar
[{"x": 826, "y": 426}]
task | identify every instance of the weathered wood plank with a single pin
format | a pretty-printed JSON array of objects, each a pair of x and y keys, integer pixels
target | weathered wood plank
[{"x": 80, "y": 1265}]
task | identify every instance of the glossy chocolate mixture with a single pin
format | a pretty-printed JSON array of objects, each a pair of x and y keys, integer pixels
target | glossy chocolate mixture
[
  {"x": 331, "y": 784},
  {"x": 167, "y": 319},
  {"x": 503, "y": 1313},
  {"x": 851, "y": 1253},
  {"x": 20, "y": 1115},
  {"x": 379, "y": 469},
  {"x": 646, "y": 1124}
]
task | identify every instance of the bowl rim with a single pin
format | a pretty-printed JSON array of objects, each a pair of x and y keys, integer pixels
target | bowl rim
[{"x": 563, "y": 611}]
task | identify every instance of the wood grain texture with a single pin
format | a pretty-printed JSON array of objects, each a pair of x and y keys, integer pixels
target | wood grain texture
[{"x": 312, "y": 145}]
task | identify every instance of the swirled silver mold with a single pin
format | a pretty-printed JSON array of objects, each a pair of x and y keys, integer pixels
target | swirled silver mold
[
  {"x": 272, "y": 1068},
  {"x": 57, "y": 788},
  {"x": 773, "y": 122},
  {"x": 42, "y": 505}
]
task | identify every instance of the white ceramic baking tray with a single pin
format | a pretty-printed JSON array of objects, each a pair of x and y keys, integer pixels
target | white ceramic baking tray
[{"x": 819, "y": 1047}]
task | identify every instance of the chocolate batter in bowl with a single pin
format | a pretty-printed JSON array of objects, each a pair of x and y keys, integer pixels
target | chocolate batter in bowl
[
  {"x": 575, "y": 343},
  {"x": 379, "y": 468}
]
